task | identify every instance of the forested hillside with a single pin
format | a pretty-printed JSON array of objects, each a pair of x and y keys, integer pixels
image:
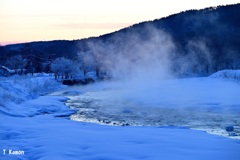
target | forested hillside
[{"x": 195, "y": 42}]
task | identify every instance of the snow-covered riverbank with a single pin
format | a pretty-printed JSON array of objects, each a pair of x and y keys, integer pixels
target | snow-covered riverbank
[
  {"x": 46, "y": 137},
  {"x": 40, "y": 129}
]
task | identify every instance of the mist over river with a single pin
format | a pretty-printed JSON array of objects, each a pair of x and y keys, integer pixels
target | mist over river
[{"x": 207, "y": 104}]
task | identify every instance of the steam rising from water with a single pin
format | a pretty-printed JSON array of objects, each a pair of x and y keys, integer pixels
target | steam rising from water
[
  {"x": 201, "y": 103},
  {"x": 141, "y": 65},
  {"x": 137, "y": 65},
  {"x": 143, "y": 90},
  {"x": 137, "y": 57}
]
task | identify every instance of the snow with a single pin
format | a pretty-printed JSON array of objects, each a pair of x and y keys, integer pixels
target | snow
[
  {"x": 227, "y": 74},
  {"x": 7, "y": 69},
  {"x": 40, "y": 125},
  {"x": 91, "y": 74},
  {"x": 20, "y": 88},
  {"x": 46, "y": 137}
]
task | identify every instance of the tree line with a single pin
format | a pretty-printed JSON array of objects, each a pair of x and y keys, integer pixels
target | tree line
[{"x": 61, "y": 67}]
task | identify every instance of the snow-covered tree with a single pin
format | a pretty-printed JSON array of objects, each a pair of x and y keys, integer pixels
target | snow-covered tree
[
  {"x": 65, "y": 68},
  {"x": 18, "y": 63},
  {"x": 87, "y": 61}
]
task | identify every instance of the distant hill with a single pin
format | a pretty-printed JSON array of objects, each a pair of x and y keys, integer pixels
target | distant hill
[{"x": 208, "y": 38}]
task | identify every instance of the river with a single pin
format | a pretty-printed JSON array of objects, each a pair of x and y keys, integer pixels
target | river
[{"x": 204, "y": 104}]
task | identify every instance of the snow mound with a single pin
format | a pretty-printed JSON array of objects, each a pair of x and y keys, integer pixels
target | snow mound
[
  {"x": 17, "y": 89},
  {"x": 227, "y": 74}
]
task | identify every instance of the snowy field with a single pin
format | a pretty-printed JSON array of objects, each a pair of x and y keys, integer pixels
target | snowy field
[{"x": 38, "y": 127}]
